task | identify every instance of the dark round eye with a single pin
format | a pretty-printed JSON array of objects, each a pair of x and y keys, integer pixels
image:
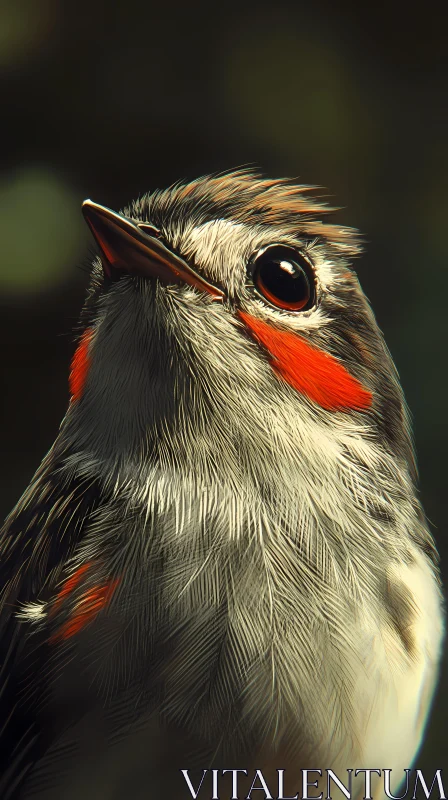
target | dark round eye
[{"x": 284, "y": 278}]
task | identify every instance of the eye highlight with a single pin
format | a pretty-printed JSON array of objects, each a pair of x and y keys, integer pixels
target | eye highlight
[{"x": 283, "y": 277}]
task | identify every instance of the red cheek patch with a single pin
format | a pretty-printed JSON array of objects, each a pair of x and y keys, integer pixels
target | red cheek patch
[
  {"x": 312, "y": 372},
  {"x": 80, "y": 365}
]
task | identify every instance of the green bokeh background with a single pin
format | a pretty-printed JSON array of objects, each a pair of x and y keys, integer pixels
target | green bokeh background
[{"x": 110, "y": 99}]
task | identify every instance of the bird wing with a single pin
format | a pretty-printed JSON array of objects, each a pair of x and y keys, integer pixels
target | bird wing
[{"x": 36, "y": 544}]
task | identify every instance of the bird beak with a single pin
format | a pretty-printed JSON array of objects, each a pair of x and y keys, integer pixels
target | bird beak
[{"x": 126, "y": 246}]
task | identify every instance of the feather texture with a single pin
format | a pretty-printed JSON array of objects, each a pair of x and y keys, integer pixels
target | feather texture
[{"x": 214, "y": 565}]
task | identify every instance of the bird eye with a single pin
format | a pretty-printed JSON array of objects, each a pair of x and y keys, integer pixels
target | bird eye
[{"x": 284, "y": 278}]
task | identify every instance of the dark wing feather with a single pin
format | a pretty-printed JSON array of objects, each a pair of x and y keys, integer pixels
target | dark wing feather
[{"x": 36, "y": 542}]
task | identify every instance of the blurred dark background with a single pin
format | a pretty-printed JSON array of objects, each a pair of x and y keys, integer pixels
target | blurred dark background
[{"x": 111, "y": 99}]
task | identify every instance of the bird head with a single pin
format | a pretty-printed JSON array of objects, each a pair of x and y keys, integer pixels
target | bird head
[{"x": 226, "y": 338}]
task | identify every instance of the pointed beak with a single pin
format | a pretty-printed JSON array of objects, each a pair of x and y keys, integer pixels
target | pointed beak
[{"x": 128, "y": 247}]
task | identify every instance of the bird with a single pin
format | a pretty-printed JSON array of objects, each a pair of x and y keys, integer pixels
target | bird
[{"x": 222, "y": 562}]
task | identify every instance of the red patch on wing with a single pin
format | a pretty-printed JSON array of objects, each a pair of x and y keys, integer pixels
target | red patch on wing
[
  {"x": 310, "y": 371},
  {"x": 89, "y": 604},
  {"x": 80, "y": 365},
  {"x": 70, "y": 584}
]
